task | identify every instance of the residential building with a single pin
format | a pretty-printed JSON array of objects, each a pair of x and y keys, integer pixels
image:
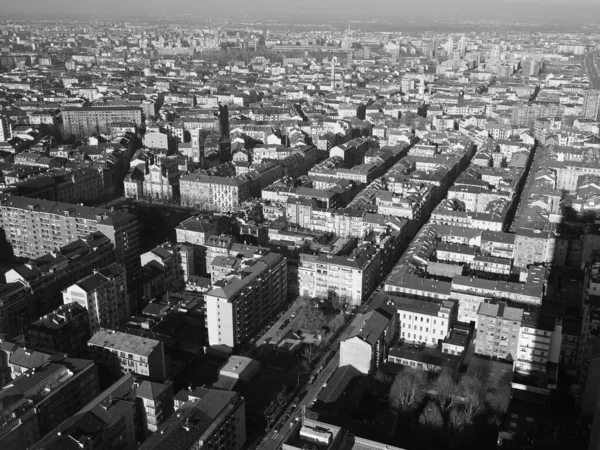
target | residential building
[
  {"x": 196, "y": 230},
  {"x": 167, "y": 259},
  {"x": 591, "y": 104},
  {"x": 424, "y": 320},
  {"x": 17, "y": 307},
  {"x": 84, "y": 122},
  {"x": 35, "y": 227},
  {"x": 238, "y": 305},
  {"x": 65, "y": 330},
  {"x": 215, "y": 420},
  {"x": 540, "y": 342},
  {"x": 109, "y": 421},
  {"x": 157, "y": 400},
  {"x": 104, "y": 295},
  {"x": 366, "y": 347},
  {"x": 350, "y": 278},
  {"x": 498, "y": 330},
  {"x": 123, "y": 352},
  {"x": 35, "y": 403},
  {"x": 48, "y": 275}
]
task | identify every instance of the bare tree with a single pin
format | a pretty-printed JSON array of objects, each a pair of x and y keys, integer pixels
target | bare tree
[
  {"x": 280, "y": 398},
  {"x": 500, "y": 398},
  {"x": 472, "y": 391},
  {"x": 309, "y": 354},
  {"x": 446, "y": 391},
  {"x": 269, "y": 413},
  {"x": 458, "y": 418},
  {"x": 407, "y": 389},
  {"x": 431, "y": 416}
]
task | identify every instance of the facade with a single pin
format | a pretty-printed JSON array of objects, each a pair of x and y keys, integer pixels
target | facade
[
  {"x": 65, "y": 330},
  {"x": 157, "y": 400},
  {"x": 219, "y": 193},
  {"x": 195, "y": 230},
  {"x": 238, "y": 305},
  {"x": 123, "y": 353},
  {"x": 350, "y": 278},
  {"x": 591, "y": 104},
  {"x": 540, "y": 342},
  {"x": 48, "y": 275},
  {"x": 215, "y": 420},
  {"x": 498, "y": 329},
  {"x": 16, "y": 307},
  {"x": 83, "y": 122},
  {"x": 40, "y": 399},
  {"x": 167, "y": 258},
  {"x": 36, "y": 227},
  {"x": 108, "y": 421},
  {"x": 104, "y": 295},
  {"x": 366, "y": 347},
  {"x": 423, "y": 320},
  {"x": 161, "y": 180}
]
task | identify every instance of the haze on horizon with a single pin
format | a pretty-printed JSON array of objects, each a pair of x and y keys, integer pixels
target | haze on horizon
[{"x": 312, "y": 10}]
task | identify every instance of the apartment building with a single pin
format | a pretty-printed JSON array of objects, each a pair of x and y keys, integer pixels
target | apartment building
[
  {"x": 219, "y": 193},
  {"x": 424, "y": 320},
  {"x": 48, "y": 275},
  {"x": 83, "y": 122},
  {"x": 65, "y": 330},
  {"x": 83, "y": 185},
  {"x": 104, "y": 295},
  {"x": 166, "y": 258},
  {"x": 366, "y": 347},
  {"x": 351, "y": 278},
  {"x": 157, "y": 401},
  {"x": 112, "y": 416},
  {"x": 40, "y": 399},
  {"x": 540, "y": 342},
  {"x": 123, "y": 353},
  {"x": 591, "y": 104},
  {"x": 196, "y": 230},
  {"x": 215, "y": 420},
  {"x": 36, "y": 227},
  {"x": 238, "y": 305},
  {"x": 16, "y": 307},
  {"x": 498, "y": 330}
]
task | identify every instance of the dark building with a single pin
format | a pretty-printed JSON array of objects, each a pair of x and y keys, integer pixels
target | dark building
[{"x": 65, "y": 330}]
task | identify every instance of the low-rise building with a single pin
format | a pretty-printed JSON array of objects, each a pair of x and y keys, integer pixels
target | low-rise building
[
  {"x": 215, "y": 420},
  {"x": 423, "y": 320},
  {"x": 65, "y": 330},
  {"x": 123, "y": 353},
  {"x": 366, "y": 347}
]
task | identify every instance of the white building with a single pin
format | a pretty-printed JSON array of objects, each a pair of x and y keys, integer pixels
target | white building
[
  {"x": 424, "y": 321},
  {"x": 104, "y": 295}
]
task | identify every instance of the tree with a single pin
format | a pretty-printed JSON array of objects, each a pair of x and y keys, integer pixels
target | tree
[
  {"x": 269, "y": 413},
  {"x": 407, "y": 389},
  {"x": 309, "y": 354},
  {"x": 431, "y": 416},
  {"x": 280, "y": 398},
  {"x": 458, "y": 418},
  {"x": 471, "y": 389},
  {"x": 500, "y": 398},
  {"x": 446, "y": 391}
]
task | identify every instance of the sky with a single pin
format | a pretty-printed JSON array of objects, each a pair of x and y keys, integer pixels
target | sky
[{"x": 314, "y": 10}]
